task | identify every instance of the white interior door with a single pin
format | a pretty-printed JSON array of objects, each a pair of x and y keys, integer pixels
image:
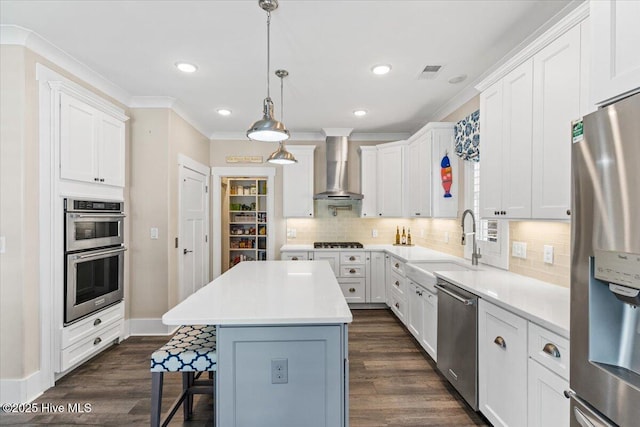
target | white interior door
[{"x": 194, "y": 241}]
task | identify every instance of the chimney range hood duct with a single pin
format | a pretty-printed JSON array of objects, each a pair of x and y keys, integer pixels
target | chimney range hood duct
[{"x": 337, "y": 152}]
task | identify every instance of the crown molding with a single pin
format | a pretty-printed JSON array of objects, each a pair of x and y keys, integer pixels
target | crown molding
[
  {"x": 16, "y": 35},
  {"x": 152, "y": 102},
  {"x": 536, "y": 42}
]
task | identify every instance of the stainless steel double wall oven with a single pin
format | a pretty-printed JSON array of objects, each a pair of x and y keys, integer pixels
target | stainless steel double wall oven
[{"x": 94, "y": 256}]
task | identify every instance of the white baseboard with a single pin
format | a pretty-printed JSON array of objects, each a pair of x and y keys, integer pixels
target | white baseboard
[
  {"x": 21, "y": 391},
  {"x": 150, "y": 327}
]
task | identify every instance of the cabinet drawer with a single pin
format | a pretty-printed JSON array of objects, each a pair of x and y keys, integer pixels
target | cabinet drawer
[
  {"x": 397, "y": 266},
  {"x": 353, "y": 289},
  {"x": 398, "y": 283},
  {"x": 90, "y": 345},
  {"x": 549, "y": 349},
  {"x": 89, "y": 326},
  {"x": 348, "y": 258},
  {"x": 352, "y": 271},
  {"x": 294, "y": 256}
]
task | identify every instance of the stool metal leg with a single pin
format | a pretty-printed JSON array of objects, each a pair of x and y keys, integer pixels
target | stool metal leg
[
  {"x": 187, "y": 383},
  {"x": 156, "y": 398}
]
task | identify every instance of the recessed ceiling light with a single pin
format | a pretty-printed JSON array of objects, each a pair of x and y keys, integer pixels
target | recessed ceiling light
[
  {"x": 360, "y": 113},
  {"x": 224, "y": 112},
  {"x": 381, "y": 69},
  {"x": 185, "y": 67},
  {"x": 458, "y": 79}
]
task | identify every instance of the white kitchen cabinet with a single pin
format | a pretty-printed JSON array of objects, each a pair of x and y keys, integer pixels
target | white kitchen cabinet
[
  {"x": 297, "y": 183},
  {"x": 429, "y": 338},
  {"x": 415, "y": 310},
  {"x": 502, "y": 365},
  {"x": 615, "y": 37},
  {"x": 391, "y": 179},
  {"x": 547, "y": 405},
  {"x": 505, "y": 166},
  {"x": 92, "y": 143},
  {"x": 296, "y": 255},
  {"x": 369, "y": 181},
  {"x": 556, "y": 103},
  {"x": 376, "y": 278},
  {"x": 332, "y": 257},
  {"x": 418, "y": 184}
]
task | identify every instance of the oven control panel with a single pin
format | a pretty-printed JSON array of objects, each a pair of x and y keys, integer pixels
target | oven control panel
[
  {"x": 618, "y": 267},
  {"x": 72, "y": 205}
]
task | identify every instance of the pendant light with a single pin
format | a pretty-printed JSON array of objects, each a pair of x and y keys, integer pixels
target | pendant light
[
  {"x": 268, "y": 129},
  {"x": 281, "y": 156}
]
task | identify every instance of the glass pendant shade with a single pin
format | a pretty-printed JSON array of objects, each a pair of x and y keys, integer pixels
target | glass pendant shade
[
  {"x": 281, "y": 156},
  {"x": 268, "y": 129}
]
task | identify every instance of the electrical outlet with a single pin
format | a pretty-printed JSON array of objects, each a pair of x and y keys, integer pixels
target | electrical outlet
[
  {"x": 293, "y": 233},
  {"x": 279, "y": 371},
  {"x": 548, "y": 254},
  {"x": 153, "y": 232},
  {"x": 374, "y": 232},
  {"x": 519, "y": 250},
  {"x": 422, "y": 232}
]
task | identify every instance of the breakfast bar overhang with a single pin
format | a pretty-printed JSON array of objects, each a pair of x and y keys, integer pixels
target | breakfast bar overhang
[{"x": 282, "y": 343}]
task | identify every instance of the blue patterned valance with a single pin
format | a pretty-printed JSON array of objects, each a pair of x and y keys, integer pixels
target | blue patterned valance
[{"x": 467, "y": 137}]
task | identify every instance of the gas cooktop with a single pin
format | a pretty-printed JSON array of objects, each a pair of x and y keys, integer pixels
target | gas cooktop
[{"x": 333, "y": 245}]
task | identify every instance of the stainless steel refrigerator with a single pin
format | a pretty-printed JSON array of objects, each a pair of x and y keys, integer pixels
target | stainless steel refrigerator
[{"x": 605, "y": 268}]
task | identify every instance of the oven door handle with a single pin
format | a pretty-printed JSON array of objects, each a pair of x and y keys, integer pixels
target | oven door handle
[
  {"x": 98, "y": 215},
  {"x": 100, "y": 254}
]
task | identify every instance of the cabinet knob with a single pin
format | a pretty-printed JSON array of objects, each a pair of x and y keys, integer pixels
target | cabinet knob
[
  {"x": 551, "y": 350},
  {"x": 503, "y": 212},
  {"x": 496, "y": 213},
  {"x": 364, "y": 214},
  {"x": 568, "y": 211},
  {"x": 294, "y": 258},
  {"x": 95, "y": 179},
  {"x": 97, "y": 322},
  {"x": 397, "y": 306},
  {"x": 380, "y": 214},
  {"x": 352, "y": 290},
  {"x": 500, "y": 342},
  {"x": 352, "y": 258},
  {"x": 417, "y": 213},
  {"x": 97, "y": 341},
  {"x": 352, "y": 271},
  {"x": 101, "y": 179},
  {"x": 397, "y": 265},
  {"x": 397, "y": 283},
  {"x": 310, "y": 213}
]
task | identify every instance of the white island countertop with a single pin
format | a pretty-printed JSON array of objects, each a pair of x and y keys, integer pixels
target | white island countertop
[{"x": 266, "y": 293}]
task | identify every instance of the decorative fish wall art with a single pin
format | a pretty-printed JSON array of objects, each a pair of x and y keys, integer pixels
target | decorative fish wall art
[{"x": 446, "y": 175}]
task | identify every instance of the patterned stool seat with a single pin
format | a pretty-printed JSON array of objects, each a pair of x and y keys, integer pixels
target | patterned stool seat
[{"x": 192, "y": 349}]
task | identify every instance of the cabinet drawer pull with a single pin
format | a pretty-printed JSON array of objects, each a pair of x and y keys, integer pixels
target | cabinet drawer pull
[
  {"x": 97, "y": 341},
  {"x": 397, "y": 265},
  {"x": 352, "y": 290},
  {"x": 294, "y": 258},
  {"x": 500, "y": 342},
  {"x": 551, "y": 350},
  {"x": 352, "y": 258},
  {"x": 397, "y": 306},
  {"x": 352, "y": 271},
  {"x": 97, "y": 322},
  {"x": 397, "y": 283}
]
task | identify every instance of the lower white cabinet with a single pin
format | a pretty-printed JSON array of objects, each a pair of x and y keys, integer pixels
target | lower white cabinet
[
  {"x": 295, "y": 255},
  {"x": 376, "y": 278},
  {"x": 415, "y": 310},
  {"x": 502, "y": 365},
  {"x": 547, "y": 405},
  {"x": 422, "y": 317},
  {"x": 332, "y": 257}
]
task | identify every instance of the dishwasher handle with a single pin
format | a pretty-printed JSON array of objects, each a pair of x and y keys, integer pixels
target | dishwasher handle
[{"x": 465, "y": 301}]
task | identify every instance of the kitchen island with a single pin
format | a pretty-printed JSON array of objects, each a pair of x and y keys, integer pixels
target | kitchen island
[{"x": 281, "y": 342}]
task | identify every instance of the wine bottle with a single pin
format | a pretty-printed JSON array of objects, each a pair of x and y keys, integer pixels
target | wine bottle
[
  {"x": 404, "y": 237},
  {"x": 409, "y": 237},
  {"x": 397, "y": 235}
]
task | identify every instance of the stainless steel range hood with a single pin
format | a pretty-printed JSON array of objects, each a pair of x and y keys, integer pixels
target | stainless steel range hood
[{"x": 337, "y": 153}]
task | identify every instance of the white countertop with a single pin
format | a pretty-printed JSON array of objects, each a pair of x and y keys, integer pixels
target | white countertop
[
  {"x": 406, "y": 253},
  {"x": 535, "y": 300},
  {"x": 266, "y": 293}
]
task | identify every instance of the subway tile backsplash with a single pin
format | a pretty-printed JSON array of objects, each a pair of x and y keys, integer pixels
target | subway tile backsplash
[{"x": 443, "y": 235}]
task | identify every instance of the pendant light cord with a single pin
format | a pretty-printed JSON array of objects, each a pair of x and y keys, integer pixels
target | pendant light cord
[
  {"x": 282, "y": 99},
  {"x": 268, "y": 51}
]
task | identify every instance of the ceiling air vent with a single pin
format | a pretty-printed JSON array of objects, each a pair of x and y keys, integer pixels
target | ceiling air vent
[{"x": 430, "y": 72}]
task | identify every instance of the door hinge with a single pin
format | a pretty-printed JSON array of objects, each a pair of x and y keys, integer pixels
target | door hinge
[{"x": 176, "y": 243}]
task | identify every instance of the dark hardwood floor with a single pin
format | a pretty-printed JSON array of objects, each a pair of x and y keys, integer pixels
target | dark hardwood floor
[{"x": 393, "y": 382}]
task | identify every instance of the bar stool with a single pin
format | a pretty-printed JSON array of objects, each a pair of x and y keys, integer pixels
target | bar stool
[{"x": 192, "y": 351}]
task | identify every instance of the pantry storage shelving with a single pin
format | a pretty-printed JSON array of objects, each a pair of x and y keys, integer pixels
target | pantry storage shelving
[{"x": 247, "y": 220}]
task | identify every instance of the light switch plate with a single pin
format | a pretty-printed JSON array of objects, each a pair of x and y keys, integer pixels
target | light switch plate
[
  {"x": 519, "y": 250},
  {"x": 548, "y": 254},
  {"x": 153, "y": 232},
  {"x": 374, "y": 232}
]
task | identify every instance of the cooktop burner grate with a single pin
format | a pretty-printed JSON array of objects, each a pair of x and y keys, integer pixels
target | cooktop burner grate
[{"x": 333, "y": 245}]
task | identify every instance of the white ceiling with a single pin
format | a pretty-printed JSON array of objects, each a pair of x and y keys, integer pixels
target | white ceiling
[{"x": 328, "y": 47}]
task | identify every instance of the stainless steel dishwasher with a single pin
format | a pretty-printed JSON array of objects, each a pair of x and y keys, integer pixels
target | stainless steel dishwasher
[{"x": 458, "y": 339}]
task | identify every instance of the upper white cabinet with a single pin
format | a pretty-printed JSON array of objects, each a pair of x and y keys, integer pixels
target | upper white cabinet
[
  {"x": 526, "y": 112},
  {"x": 92, "y": 143},
  {"x": 369, "y": 180},
  {"x": 615, "y": 38},
  {"x": 297, "y": 183},
  {"x": 391, "y": 179},
  {"x": 556, "y": 103},
  {"x": 506, "y": 126},
  {"x": 418, "y": 188}
]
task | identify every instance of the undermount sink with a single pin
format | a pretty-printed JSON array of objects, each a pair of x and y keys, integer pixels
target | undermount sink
[{"x": 422, "y": 271}]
